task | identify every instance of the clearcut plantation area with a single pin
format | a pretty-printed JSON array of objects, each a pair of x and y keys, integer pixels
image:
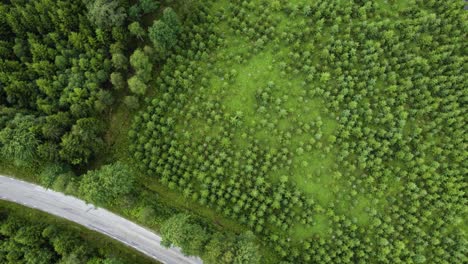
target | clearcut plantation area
[
  {"x": 317, "y": 126},
  {"x": 254, "y": 131}
]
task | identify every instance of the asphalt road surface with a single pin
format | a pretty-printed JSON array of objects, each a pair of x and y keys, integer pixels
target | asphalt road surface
[{"x": 97, "y": 219}]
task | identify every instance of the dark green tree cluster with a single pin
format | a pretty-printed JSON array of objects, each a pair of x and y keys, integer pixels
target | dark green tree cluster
[
  {"x": 23, "y": 240},
  {"x": 106, "y": 14},
  {"x": 393, "y": 84},
  {"x": 108, "y": 184},
  {"x": 183, "y": 231},
  {"x": 19, "y": 140},
  {"x": 56, "y": 59},
  {"x": 143, "y": 7},
  {"x": 164, "y": 32},
  {"x": 143, "y": 69}
]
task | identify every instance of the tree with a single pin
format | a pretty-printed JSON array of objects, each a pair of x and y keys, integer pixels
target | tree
[
  {"x": 61, "y": 181},
  {"x": 142, "y": 7},
  {"x": 147, "y": 214},
  {"x": 137, "y": 86},
  {"x": 172, "y": 20},
  {"x": 162, "y": 35},
  {"x": 112, "y": 261},
  {"x": 136, "y": 30},
  {"x": 218, "y": 246},
  {"x": 117, "y": 80},
  {"x": 82, "y": 141},
  {"x": 56, "y": 125},
  {"x": 18, "y": 142},
  {"x": 119, "y": 61},
  {"x": 180, "y": 230},
  {"x": 187, "y": 7},
  {"x": 51, "y": 172},
  {"x": 108, "y": 184},
  {"x": 106, "y": 13},
  {"x": 103, "y": 100},
  {"x": 419, "y": 258},
  {"x": 28, "y": 238},
  {"x": 131, "y": 102},
  {"x": 141, "y": 64},
  {"x": 246, "y": 249},
  {"x": 148, "y": 6}
]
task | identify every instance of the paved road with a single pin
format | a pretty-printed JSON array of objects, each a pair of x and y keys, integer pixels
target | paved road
[{"x": 97, "y": 219}]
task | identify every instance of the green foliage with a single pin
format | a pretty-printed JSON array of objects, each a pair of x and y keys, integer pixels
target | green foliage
[
  {"x": 317, "y": 134},
  {"x": 181, "y": 231},
  {"x": 171, "y": 19},
  {"x": 51, "y": 172},
  {"x": 56, "y": 75},
  {"x": 148, "y": 6},
  {"x": 136, "y": 30},
  {"x": 131, "y": 102},
  {"x": 62, "y": 181},
  {"x": 229, "y": 249},
  {"x": 82, "y": 142},
  {"x": 18, "y": 140},
  {"x": 164, "y": 32},
  {"x": 106, "y": 14},
  {"x": 119, "y": 61},
  {"x": 143, "y": 7},
  {"x": 137, "y": 86},
  {"x": 142, "y": 65},
  {"x": 143, "y": 71},
  {"x": 28, "y": 238},
  {"x": 333, "y": 130},
  {"x": 246, "y": 249},
  {"x": 117, "y": 81},
  {"x": 106, "y": 185},
  {"x": 184, "y": 231},
  {"x": 161, "y": 35}
]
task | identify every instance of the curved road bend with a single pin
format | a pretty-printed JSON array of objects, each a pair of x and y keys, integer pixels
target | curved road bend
[{"x": 97, "y": 219}]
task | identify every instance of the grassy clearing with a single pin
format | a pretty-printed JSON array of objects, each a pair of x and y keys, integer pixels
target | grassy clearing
[{"x": 320, "y": 226}]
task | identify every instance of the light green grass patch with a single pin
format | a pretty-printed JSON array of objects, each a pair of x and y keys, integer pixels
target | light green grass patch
[
  {"x": 312, "y": 173},
  {"x": 320, "y": 226}
]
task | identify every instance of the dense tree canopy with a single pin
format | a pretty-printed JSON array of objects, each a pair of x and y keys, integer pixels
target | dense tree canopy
[
  {"x": 28, "y": 240},
  {"x": 18, "y": 140},
  {"x": 57, "y": 75},
  {"x": 183, "y": 231},
  {"x": 106, "y": 185},
  {"x": 164, "y": 32},
  {"x": 106, "y": 14}
]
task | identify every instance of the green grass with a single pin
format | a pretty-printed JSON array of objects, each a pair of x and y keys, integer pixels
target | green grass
[
  {"x": 321, "y": 226},
  {"x": 26, "y": 173}
]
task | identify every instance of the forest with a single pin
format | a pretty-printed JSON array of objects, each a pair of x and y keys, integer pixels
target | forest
[
  {"x": 247, "y": 131},
  {"x": 29, "y": 236}
]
